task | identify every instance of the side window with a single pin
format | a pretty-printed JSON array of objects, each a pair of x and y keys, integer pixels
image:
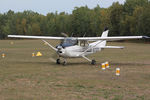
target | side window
[{"x": 84, "y": 43}]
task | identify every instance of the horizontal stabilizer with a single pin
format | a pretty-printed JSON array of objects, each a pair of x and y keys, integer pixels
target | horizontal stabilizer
[{"x": 112, "y": 47}]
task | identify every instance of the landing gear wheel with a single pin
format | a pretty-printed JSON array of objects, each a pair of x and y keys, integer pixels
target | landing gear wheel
[
  {"x": 64, "y": 63},
  {"x": 93, "y": 62},
  {"x": 58, "y": 61}
]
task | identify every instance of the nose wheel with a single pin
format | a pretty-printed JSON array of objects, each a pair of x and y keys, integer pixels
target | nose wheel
[{"x": 58, "y": 61}]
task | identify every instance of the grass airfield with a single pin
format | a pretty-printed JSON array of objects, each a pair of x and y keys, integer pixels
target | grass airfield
[{"x": 23, "y": 77}]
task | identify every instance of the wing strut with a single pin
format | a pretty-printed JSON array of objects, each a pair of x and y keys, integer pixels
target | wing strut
[
  {"x": 91, "y": 47},
  {"x": 87, "y": 58},
  {"x": 50, "y": 45}
]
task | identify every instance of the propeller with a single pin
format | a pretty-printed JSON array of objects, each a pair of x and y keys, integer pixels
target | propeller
[
  {"x": 64, "y": 34},
  {"x": 59, "y": 49},
  {"x": 72, "y": 34}
]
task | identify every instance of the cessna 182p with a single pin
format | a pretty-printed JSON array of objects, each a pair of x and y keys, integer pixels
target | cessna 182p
[{"x": 75, "y": 47}]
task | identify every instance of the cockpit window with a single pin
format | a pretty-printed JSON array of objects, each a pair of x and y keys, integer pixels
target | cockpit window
[{"x": 69, "y": 42}]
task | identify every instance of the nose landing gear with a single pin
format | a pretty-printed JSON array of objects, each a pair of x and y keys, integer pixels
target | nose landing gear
[
  {"x": 93, "y": 62},
  {"x": 58, "y": 61}
]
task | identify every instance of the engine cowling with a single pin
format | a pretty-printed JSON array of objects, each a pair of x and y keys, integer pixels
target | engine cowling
[{"x": 59, "y": 49}]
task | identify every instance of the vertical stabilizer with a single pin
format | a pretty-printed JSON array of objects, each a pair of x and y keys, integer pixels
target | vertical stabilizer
[
  {"x": 101, "y": 43},
  {"x": 104, "y": 34}
]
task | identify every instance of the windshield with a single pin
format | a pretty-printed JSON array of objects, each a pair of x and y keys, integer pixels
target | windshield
[{"x": 69, "y": 42}]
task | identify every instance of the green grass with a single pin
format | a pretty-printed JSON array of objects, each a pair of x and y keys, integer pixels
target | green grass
[{"x": 23, "y": 77}]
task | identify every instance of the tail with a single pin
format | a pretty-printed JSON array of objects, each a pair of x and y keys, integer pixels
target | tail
[
  {"x": 104, "y": 34},
  {"x": 101, "y": 43}
]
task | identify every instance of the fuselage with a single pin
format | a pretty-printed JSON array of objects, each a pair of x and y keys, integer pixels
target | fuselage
[
  {"x": 76, "y": 51},
  {"x": 71, "y": 48}
]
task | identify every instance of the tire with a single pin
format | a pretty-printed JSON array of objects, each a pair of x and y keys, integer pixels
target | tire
[
  {"x": 58, "y": 61},
  {"x": 64, "y": 63},
  {"x": 93, "y": 62}
]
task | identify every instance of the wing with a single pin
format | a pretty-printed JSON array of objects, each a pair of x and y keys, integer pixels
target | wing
[
  {"x": 80, "y": 38},
  {"x": 50, "y": 45},
  {"x": 111, "y": 38},
  {"x": 36, "y": 37}
]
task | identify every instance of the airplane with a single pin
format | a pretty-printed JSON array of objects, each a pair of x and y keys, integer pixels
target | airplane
[{"x": 80, "y": 47}]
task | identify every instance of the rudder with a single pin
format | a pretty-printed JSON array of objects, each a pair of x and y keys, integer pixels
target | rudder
[{"x": 104, "y": 34}]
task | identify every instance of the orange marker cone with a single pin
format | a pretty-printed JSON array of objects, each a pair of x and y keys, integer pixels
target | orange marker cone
[
  {"x": 117, "y": 71},
  {"x": 33, "y": 55},
  {"x": 3, "y": 55},
  {"x": 103, "y": 66},
  {"x": 107, "y": 64}
]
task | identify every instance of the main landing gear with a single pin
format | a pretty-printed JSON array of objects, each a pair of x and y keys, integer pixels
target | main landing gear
[
  {"x": 64, "y": 63},
  {"x": 93, "y": 62},
  {"x": 58, "y": 61}
]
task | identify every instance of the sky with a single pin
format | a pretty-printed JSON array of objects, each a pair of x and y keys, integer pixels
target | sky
[{"x": 45, "y": 6}]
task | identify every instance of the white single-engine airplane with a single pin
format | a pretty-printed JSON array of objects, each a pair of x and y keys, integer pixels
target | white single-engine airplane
[{"x": 75, "y": 47}]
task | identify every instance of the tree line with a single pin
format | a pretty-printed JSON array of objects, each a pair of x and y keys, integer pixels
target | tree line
[{"x": 130, "y": 18}]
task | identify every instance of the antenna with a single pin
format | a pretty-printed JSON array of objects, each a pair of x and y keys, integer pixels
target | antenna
[
  {"x": 72, "y": 34},
  {"x": 64, "y": 34},
  {"x": 84, "y": 34}
]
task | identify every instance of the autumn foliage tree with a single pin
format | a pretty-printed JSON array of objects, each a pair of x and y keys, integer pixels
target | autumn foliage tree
[{"x": 130, "y": 18}]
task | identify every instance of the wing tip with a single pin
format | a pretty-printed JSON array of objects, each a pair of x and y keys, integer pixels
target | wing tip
[
  {"x": 145, "y": 37},
  {"x": 8, "y": 35}
]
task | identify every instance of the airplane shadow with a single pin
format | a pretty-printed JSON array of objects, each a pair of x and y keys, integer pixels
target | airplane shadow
[
  {"x": 30, "y": 62},
  {"x": 82, "y": 63},
  {"x": 53, "y": 63}
]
